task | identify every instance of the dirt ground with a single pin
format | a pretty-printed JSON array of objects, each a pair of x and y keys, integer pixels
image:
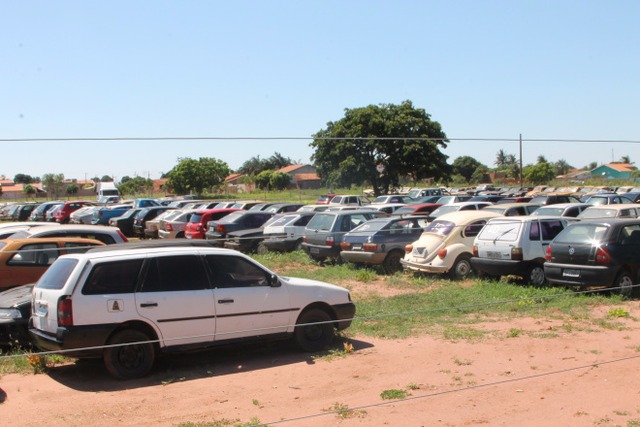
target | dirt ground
[{"x": 546, "y": 374}]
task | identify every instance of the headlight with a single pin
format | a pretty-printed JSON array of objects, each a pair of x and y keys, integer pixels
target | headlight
[{"x": 10, "y": 313}]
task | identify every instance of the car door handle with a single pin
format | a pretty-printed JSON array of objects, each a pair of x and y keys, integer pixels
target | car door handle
[
  {"x": 148, "y": 304},
  {"x": 225, "y": 301}
]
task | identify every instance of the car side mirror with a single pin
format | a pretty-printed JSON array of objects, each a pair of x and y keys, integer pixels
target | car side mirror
[{"x": 274, "y": 281}]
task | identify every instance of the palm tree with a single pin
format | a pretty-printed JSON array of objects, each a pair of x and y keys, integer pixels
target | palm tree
[{"x": 501, "y": 159}]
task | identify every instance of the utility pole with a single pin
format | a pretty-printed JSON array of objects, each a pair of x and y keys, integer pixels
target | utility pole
[{"x": 520, "y": 160}]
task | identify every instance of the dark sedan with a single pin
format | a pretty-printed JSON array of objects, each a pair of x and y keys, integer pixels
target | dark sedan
[
  {"x": 596, "y": 253},
  {"x": 15, "y": 309},
  {"x": 382, "y": 241},
  {"x": 236, "y": 221}
]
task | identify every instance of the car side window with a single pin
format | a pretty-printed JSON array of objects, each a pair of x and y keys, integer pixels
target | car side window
[
  {"x": 550, "y": 229},
  {"x": 235, "y": 272},
  {"x": 35, "y": 255},
  {"x": 77, "y": 247},
  {"x": 116, "y": 277},
  {"x": 175, "y": 273},
  {"x": 534, "y": 231},
  {"x": 630, "y": 235},
  {"x": 473, "y": 229}
]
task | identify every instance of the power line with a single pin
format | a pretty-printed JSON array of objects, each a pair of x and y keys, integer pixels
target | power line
[{"x": 308, "y": 138}]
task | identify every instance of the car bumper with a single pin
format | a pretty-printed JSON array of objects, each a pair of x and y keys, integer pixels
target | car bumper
[
  {"x": 317, "y": 251},
  {"x": 579, "y": 275},
  {"x": 426, "y": 267},
  {"x": 76, "y": 341},
  {"x": 14, "y": 332},
  {"x": 374, "y": 258},
  {"x": 500, "y": 267},
  {"x": 344, "y": 315},
  {"x": 281, "y": 245}
]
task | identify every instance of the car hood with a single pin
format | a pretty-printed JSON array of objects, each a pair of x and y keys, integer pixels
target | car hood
[{"x": 16, "y": 297}]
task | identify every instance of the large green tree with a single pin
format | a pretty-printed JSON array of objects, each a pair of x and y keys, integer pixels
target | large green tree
[
  {"x": 465, "y": 166},
  {"x": 255, "y": 165},
  {"x": 136, "y": 185},
  {"x": 380, "y": 144},
  {"x": 53, "y": 183},
  {"x": 195, "y": 176},
  {"x": 541, "y": 173}
]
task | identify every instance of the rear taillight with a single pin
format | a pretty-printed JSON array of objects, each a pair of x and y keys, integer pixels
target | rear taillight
[
  {"x": 221, "y": 229},
  {"x": 475, "y": 250},
  {"x": 408, "y": 249},
  {"x": 547, "y": 253},
  {"x": 122, "y": 236},
  {"x": 370, "y": 247},
  {"x": 65, "y": 314},
  {"x": 345, "y": 246},
  {"x": 199, "y": 228},
  {"x": 442, "y": 253},
  {"x": 168, "y": 227},
  {"x": 304, "y": 239},
  {"x": 516, "y": 254},
  {"x": 602, "y": 256},
  {"x": 330, "y": 241}
]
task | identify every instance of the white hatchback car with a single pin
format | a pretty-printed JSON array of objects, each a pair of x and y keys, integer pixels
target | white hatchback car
[
  {"x": 446, "y": 244},
  {"x": 176, "y": 297}
]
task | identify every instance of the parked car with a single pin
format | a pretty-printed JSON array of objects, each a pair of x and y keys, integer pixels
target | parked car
[
  {"x": 417, "y": 209},
  {"x": 189, "y": 297},
  {"x": 551, "y": 199},
  {"x": 107, "y": 235},
  {"x": 278, "y": 208},
  {"x": 388, "y": 208},
  {"x": 630, "y": 210},
  {"x": 445, "y": 200},
  {"x": 515, "y": 199},
  {"x": 392, "y": 198},
  {"x": 516, "y": 245},
  {"x": 23, "y": 211},
  {"x": 197, "y": 225},
  {"x": 50, "y": 215},
  {"x": 217, "y": 230},
  {"x": 512, "y": 209},
  {"x": 634, "y": 196},
  {"x": 62, "y": 214},
  {"x": 351, "y": 200},
  {"x": 425, "y": 199},
  {"x": 84, "y": 215},
  {"x": 324, "y": 199},
  {"x": 607, "y": 199},
  {"x": 460, "y": 206},
  {"x": 416, "y": 193},
  {"x": 561, "y": 209},
  {"x": 596, "y": 253},
  {"x": 125, "y": 221},
  {"x": 245, "y": 204},
  {"x": 15, "y": 310},
  {"x": 152, "y": 225},
  {"x": 174, "y": 226},
  {"x": 23, "y": 261},
  {"x": 381, "y": 241},
  {"x": 286, "y": 233},
  {"x": 446, "y": 246},
  {"x": 248, "y": 240},
  {"x": 323, "y": 234},
  {"x": 491, "y": 198},
  {"x": 146, "y": 214}
]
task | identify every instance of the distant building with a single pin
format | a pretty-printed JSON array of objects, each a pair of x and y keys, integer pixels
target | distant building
[
  {"x": 614, "y": 170},
  {"x": 302, "y": 176}
]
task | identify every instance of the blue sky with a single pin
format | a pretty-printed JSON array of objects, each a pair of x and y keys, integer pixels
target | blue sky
[{"x": 483, "y": 69}]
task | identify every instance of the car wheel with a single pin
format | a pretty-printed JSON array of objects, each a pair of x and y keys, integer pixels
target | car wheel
[
  {"x": 535, "y": 275},
  {"x": 391, "y": 263},
  {"x": 129, "y": 361},
  {"x": 461, "y": 268},
  {"x": 298, "y": 246},
  {"x": 180, "y": 235},
  {"x": 315, "y": 333},
  {"x": 624, "y": 284},
  {"x": 262, "y": 249}
]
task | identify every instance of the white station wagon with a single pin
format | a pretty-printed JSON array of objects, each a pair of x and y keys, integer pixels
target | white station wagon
[{"x": 173, "y": 298}]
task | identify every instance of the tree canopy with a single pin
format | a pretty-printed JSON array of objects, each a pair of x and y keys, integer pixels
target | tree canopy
[
  {"x": 53, "y": 183},
  {"x": 465, "y": 166},
  {"x": 255, "y": 165},
  {"x": 195, "y": 176},
  {"x": 136, "y": 185},
  {"x": 380, "y": 144}
]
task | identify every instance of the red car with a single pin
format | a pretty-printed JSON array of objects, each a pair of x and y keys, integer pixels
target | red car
[
  {"x": 325, "y": 199},
  {"x": 62, "y": 215},
  {"x": 417, "y": 209},
  {"x": 197, "y": 225}
]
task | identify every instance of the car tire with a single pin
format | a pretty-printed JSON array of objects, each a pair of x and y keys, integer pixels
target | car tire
[
  {"x": 262, "y": 249},
  {"x": 129, "y": 361},
  {"x": 298, "y": 245},
  {"x": 624, "y": 284},
  {"x": 535, "y": 275},
  {"x": 314, "y": 332},
  {"x": 391, "y": 263},
  {"x": 461, "y": 269}
]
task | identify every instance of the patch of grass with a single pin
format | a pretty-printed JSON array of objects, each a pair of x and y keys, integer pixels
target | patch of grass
[
  {"x": 365, "y": 275},
  {"x": 253, "y": 422},
  {"x": 224, "y": 422},
  {"x": 22, "y": 362},
  {"x": 514, "y": 332},
  {"x": 413, "y": 386},
  {"x": 336, "y": 353},
  {"x": 392, "y": 394},
  {"x": 618, "y": 312},
  {"x": 343, "y": 412},
  {"x": 462, "y": 362},
  {"x": 633, "y": 423}
]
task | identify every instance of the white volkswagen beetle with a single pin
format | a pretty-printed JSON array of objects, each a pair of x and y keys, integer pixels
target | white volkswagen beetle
[{"x": 446, "y": 245}]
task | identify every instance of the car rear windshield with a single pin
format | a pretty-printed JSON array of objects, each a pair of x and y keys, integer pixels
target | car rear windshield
[
  {"x": 582, "y": 233},
  {"x": 440, "y": 227},
  {"x": 501, "y": 231},
  {"x": 321, "y": 222},
  {"x": 56, "y": 276},
  {"x": 195, "y": 218},
  {"x": 598, "y": 213}
]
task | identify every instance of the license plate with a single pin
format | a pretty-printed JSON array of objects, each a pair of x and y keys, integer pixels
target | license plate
[
  {"x": 493, "y": 254},
  {"x": 571, "y": 273},
  {"x": 314, "y": 250},
  {"x": 357, "y": 247}
]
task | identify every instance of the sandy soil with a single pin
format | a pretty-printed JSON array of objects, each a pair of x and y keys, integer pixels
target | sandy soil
[{"x": 546, "y": 374}]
